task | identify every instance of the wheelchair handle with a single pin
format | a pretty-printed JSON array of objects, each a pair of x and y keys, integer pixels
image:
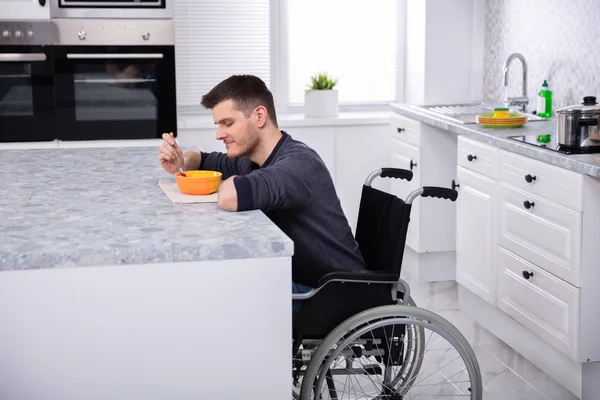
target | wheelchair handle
[
  {"x": 389, "y": 173},
  {"x": 440, "y": 192},
  {"x": 432, "y": 191},
  {"x": 396, "y": 173}
]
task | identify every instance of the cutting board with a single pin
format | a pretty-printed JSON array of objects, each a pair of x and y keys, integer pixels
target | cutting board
[{"x": 174, "y": 194}]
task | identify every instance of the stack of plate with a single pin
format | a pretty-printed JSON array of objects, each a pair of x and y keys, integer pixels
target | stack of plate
[{"x": 512, "y": 121}]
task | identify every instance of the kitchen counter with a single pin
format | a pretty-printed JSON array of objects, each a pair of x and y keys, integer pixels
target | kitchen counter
[
  {"x": 582, "y": 163},
  {"x": 97, "y": 207},
  {"x": 157, "y": 309}
]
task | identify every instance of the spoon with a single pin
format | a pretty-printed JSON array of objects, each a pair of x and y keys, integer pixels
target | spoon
[{"x": 179, "y": 163}]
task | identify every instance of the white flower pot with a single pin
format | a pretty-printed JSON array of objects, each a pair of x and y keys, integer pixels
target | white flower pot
[{"x": 321, "y": 103}]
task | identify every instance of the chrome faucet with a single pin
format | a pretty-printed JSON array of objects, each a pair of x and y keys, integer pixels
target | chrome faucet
[{"x": 515, "y": 101}]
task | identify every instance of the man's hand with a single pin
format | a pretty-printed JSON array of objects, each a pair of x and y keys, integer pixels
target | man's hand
[
  {"x": 227, "y": 195},
  {"x": 190, "y": 160},
  {"x": 167, "y": 156}
]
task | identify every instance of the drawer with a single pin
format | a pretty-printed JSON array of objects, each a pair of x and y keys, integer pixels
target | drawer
[
  {"x": 547, "y": 181},
  {"x": 402, "y": 156},
  {"x": 477, "y": 157},
  {"x": 546, "y": 234},
  {"x": 546, "y": 305},
  {"x": 406, "y": 129}
]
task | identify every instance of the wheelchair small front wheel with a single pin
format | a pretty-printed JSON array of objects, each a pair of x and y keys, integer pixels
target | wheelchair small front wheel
[{"x": 365, "y": 356}]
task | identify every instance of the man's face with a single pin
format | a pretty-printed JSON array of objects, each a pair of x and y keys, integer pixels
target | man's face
[{"x": 239, "y": 133}]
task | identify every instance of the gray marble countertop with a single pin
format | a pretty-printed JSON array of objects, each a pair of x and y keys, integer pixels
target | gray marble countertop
[
  {"x": 582, "y": 163},
  {"x": 103, "y": 206}
]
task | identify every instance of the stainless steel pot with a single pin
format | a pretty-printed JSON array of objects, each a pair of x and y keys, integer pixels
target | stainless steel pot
[{"x": 579, "y": 125}]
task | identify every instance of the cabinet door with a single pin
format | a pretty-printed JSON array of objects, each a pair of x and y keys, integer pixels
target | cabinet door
[
  {"x": 406, "y": 156},
  {"x": 359, "y": 151},
  {"x": 476, "y": 234}
]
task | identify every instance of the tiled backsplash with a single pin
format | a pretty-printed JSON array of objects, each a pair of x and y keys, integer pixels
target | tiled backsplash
[{"x": 559, "y": 40}]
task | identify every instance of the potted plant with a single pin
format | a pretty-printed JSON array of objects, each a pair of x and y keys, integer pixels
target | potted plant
[{"x": 321, "y": 99}]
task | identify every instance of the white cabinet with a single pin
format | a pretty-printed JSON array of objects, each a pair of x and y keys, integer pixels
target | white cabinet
[
  {"x": 545, "y": 233},
  {"x": 358, "y": 151},
  {"x": 476, "y": 234},
  {"x": 543, "y": 303},
  {"x": 430, "y": 153}
]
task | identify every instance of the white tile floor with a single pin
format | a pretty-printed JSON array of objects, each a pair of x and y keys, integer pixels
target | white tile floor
[{"x": 505, "y": 373}]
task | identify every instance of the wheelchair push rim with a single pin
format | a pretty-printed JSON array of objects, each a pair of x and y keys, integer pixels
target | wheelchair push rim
[{"x": 320, "y": 378}]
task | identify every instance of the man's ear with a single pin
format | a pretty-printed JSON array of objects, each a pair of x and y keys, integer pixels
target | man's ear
[{"x": 261, "y": 116}]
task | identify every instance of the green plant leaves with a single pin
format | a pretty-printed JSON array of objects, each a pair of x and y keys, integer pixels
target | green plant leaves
[{"x": 322, "y": 81}]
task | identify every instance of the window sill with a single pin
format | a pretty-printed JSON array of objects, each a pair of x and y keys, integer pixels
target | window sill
[{"x": 188, "y": 122}]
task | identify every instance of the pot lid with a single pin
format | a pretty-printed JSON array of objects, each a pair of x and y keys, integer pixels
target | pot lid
[{"x": 589, "y": 104}]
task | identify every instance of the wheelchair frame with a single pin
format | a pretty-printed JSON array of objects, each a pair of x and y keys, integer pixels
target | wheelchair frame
[{"x": 400, "y": 291}]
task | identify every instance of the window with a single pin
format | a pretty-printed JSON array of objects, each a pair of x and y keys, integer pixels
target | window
[
  {"x": 216, "y": 39},
  {"x": 284, "y": 42},
  {"x": 354, "y": 41}
]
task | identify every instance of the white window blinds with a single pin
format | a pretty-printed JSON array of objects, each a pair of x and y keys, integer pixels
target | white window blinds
[{"x": 218, "y": 38}]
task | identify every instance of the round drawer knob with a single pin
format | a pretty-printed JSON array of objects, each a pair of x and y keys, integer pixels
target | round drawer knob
[
  {"x": 528, "y": 204},
  {"x": 471, "y": 157},
  {"x": 412, "y": 164},
  {"x": 529, "y": 178},
  {"x": 527, "y": 274},
  {"x": 82, "y": 35},
  {"x": 146, "y": 35}
]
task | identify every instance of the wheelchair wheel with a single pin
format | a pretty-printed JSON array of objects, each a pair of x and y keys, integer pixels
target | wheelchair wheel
[
  {"x": 411, "y": 364},
  {"x": 365, "y": 356}
]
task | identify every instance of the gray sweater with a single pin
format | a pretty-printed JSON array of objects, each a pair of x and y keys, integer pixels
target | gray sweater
[{"x": 295, "y": 190}]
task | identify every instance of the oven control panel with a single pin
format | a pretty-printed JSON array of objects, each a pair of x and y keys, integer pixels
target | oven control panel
[{"x": 25, "y": 33}]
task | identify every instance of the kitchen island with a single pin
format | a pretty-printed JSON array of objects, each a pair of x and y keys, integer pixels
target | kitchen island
[{"x": 109, "y": 290}]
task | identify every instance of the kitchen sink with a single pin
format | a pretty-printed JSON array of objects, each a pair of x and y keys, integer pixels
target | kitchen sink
[{"x": 467, "y": 113}]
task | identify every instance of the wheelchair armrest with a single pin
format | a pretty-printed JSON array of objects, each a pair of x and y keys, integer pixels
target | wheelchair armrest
[
  {"x": 365, "y": 276},
  {"x": 360, "y": 276}
]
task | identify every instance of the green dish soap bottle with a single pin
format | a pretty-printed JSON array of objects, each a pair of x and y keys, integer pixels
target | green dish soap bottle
[{"x": 544, "y": 101}]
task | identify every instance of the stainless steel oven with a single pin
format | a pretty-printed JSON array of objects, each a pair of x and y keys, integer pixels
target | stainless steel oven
[
  {"x": 26, "y": 81},
  {"x": 114, "y": 79},
  {"x": 129, "y": 9}
]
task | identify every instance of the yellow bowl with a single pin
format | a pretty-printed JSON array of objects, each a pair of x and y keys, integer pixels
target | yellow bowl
[{"x": 198, "y": 182}]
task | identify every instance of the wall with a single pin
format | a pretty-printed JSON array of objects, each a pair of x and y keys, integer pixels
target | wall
[
  {"x": 559, "y": 40},
  {"x": 444, "y": 51}
]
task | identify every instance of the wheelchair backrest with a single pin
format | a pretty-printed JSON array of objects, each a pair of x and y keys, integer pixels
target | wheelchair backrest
[{"x": 381, "y": 229}]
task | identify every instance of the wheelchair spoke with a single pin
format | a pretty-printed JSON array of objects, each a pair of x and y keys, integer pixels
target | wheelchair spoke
[{"x": 392, "y": 359}]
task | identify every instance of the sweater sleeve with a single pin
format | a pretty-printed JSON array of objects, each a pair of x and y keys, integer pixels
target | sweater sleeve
[
  {"x": 217, "y": 161},
  {"x": 287, "y": 184}
]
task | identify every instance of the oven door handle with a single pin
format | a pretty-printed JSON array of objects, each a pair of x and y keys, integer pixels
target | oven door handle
[
  {"x": 102, "y": 56},
  {"x": 21, "y": 57}
]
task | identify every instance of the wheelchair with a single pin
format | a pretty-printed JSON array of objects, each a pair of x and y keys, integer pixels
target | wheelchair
[{"x": 359, "y": 334}]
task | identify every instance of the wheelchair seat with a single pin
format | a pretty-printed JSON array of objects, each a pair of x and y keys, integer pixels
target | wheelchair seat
[{"x": 381, "y": 231}]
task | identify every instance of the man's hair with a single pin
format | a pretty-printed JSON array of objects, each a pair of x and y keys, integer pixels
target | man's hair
[{"x": 247, "y": 93}]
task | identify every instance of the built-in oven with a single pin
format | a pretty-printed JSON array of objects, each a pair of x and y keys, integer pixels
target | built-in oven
[
  {"x": 114, "y": 79},
  {"x": 130, "y": 9},
  {"x": 26, "y": 82}
]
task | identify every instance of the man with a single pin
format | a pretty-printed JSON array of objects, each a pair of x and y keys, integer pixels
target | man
[{"x": 266, "y": 169}]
